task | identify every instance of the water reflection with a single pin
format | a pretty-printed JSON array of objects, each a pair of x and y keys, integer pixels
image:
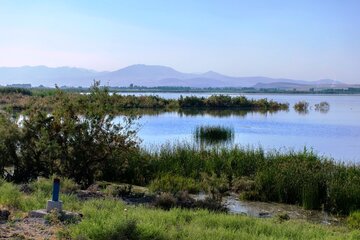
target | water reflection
[
  {"x": 302, "y": 111},
  {"x": 322, "y": 107},
  {"x": 221, "y": 113},
  {"x": 334, "y": 134}
]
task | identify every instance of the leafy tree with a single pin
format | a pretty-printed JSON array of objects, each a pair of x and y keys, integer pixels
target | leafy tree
[
  {"x": 83, "y": 146},
  {"x": 9, "y": 139}
]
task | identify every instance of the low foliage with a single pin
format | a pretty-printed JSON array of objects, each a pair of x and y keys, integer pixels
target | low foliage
[
  {"x": 224, "y": 101},
  {"x": 83, "y": 148},
  {"x": 12, "y": 90},
  {"x": 354, "y": 220},
  {"x": 302, "y": 178},
  {"x": 213, "y": 134},
  {"x": 47, "y": 99},
  {"x": 113, "y": 219},
  {"x": 106, "y": 219},
  {"x": 173, "y": 184},
  {"x": 301, "y": 107}
]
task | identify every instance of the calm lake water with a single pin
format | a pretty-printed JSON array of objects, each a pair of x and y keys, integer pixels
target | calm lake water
[{"x": 335, "y": 133}]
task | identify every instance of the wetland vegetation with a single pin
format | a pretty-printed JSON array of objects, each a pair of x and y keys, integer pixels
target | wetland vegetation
[
  {"x": 17, "y": 99},
  {"x": 213, "y": 134},
  {"x": 85, "y": 145}
]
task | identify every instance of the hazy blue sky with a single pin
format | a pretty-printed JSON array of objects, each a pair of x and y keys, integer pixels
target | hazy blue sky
[{"x": 293, "y": 39}]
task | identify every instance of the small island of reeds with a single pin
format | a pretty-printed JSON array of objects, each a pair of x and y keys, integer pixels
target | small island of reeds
[
  {"x": 213, "y": 134},
  {"x": 14, "y": 99}
]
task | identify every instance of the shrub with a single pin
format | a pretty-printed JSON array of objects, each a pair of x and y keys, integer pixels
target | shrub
[
  {"x": 296, "y": 178},
  {"x": 301, "y": 107},
  {"x": 10, "y": 195},
  {"x": 64, "y": 143},
  {"x": 343, "y": 189},
  {"x": 354, "y": 220},
  {"x": 213, "y": 134},
  {"x": 243, "y": 184},
  {"x": 45, "y": 185},
  {"x": 165, "y": 201},
  {"x": 174, "y": 184},
  {"x": 282, "y": 217},
  {"x": 215, "y": 185},
  {"x": 118, "y": 190}
]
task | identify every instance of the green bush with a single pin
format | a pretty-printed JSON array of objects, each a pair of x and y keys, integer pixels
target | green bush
[
  {"x": 343, "y": 189},
  {"x": 174, "y": 184},
  {"x": 213, "y": 134},
  {"x": 243, "y": 184},
  {"x": 10, "y": 195},
  {"x": 295, "y": 178},
  {"x": 354, "y": 220},
  {"x": 165, "y": 201},
  {"x": 45, "y": 185},
  {"x": 63, "y": 143},
  {"x": 114, "y": 190},
  {"x": 301, "y": 107}
]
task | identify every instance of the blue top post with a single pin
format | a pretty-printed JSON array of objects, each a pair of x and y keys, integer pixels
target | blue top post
[{"x": 56, "y": 190}]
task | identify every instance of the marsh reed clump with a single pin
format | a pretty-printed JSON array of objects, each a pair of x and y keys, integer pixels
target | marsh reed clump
[
  {"x": 302, "y": 107},
  {"x": 213, "y": 134}
]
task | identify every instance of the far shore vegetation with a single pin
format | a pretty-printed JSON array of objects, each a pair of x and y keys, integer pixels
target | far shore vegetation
[
  {"x": 41, "y": 90},
  {"x": 24, "y": 99}
]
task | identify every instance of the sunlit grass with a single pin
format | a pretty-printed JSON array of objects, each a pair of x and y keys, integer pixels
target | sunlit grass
[{"x": 107, "y": 219}]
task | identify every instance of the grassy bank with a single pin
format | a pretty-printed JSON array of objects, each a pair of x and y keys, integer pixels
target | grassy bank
[
  {"x": 302, "y": 178},
  {"x": 109, "y": 219},
  {"x": 112, "y": 222}
]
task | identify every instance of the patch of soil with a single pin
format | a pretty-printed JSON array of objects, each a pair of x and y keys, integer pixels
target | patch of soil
[
  {"x": 86, "y": 195},
  {"x": 28, "y": 228}
]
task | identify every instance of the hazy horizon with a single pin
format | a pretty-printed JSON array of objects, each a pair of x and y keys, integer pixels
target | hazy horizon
[
  {"x": 158, "y": 65},
  {"x": 308, "y": 40}
]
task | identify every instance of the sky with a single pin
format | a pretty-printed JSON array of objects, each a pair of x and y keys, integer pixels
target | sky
[{"x": 305, "y": 39}]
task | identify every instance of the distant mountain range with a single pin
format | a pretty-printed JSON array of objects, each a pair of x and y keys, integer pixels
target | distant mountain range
[{"x": 147, "y": 75}]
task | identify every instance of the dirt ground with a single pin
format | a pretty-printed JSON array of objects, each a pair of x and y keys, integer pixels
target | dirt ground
[{"x": 27, "y": 228}]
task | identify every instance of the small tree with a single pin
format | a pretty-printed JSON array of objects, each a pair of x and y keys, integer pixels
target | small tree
[
  {"x": 9, "y": 140},
  {"x": 79, "y": 143}
]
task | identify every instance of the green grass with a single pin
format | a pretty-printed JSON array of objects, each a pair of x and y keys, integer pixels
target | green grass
[
  {"x": 108, "y": 219},
  {"x": 112, "y": 219},
  {"x": 173, "y": 184},
  {"x": 40, "y": 192},
  {"x": 354, "y": 220},
  {"x": 302, "y": 178}
]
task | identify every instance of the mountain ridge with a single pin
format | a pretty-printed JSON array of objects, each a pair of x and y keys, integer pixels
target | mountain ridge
[{"x": 141, "y": 75}]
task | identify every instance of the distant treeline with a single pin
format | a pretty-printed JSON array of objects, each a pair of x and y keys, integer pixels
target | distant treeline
[
  {"x": 351, "y": 90},
  {"x": 44, "y": 91},
  {"x": 10, "y": 90}
]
